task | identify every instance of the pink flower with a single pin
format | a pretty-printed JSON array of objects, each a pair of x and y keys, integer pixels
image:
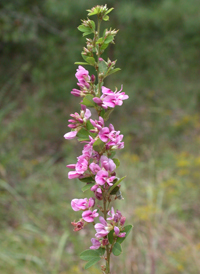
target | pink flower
[
  {"x": 82, "y": 76},
  {"x": 104, "y": 134},
  {"x": 110, "y": 98},
  {"x": 94, "y": 168},
  {"x": 117, "y": 232},
  {"x": 73, "y": 175},
  {"x": 70, "y": 135},
  {"x": 102, "y": 228},
  {"x": 82, "y": 165},
  {"x": 79, "y": 119},
  {"x": 89, "y": 216},
  {"x": 82, "y": 204},
  {"x": 78, "y": 226},
  {"x": 107, "y": 163},
  {"x": 103, "y": 177},
  {"x": 95, "y": 244},
  {"x": 97, "y": 124}
]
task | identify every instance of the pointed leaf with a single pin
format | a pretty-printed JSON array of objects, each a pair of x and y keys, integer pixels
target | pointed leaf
[
  {"x": 90, "y": 60},
  {"x": 112, "y": 71},
  {"x": 98, "y": 145},
  {"x": 109, "y": 10},
  {"x": 116, "y": 161},
  {"x": 104, "y": 46},
  {"x": 116, "y": 184},
  {"x": 117, "y": 249},
  {"x": 102, "y": 67},
  {"x": 86, "y": 187},
  {"x": 114, "y": 191},
  {"x": 110, "y": 236},
  {"x": 101, "y": 251},
  {"x": 89, "y": 125},
  {"x": 100, "y": 40},
  {"x": 109, "y": 39},
  {"x": 93, "y": 25},
  {"x": 126, "y": 229},
  {"x": 89, "y": 254},
  {"x": 107, "y": 114},
  {"x": 81, "y": 63},
  {"x": 88, "y": 101},
  {"x": 87, "y": 179},
  {"x": 83, "y": 135},
  {"x": 83, "y": 28},
  {"x": 87, "y": 33},
  {"x": 92, "y": 262}
]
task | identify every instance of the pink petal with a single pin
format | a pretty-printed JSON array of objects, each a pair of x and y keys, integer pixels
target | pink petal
[{"x": 70, "y": 135}]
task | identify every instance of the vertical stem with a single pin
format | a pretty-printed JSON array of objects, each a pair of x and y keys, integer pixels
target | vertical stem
[
  {"x": 98, "y": 56},
  {"x": 104, "y": 194},
  {"x": 107, "y": 247}
]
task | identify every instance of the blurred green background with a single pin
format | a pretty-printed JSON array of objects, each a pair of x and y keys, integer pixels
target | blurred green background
[{"x": 158, "y": 49}]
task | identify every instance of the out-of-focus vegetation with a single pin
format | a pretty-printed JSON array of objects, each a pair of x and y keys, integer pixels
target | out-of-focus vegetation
[{"x": 158, "y": 49}]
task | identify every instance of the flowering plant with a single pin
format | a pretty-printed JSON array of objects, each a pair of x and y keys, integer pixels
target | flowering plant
[{"x": 96, "y": 167}]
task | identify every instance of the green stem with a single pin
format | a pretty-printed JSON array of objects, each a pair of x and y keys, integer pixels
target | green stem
[
  {"x": 105, "y": 198},
  {"x": 107, "y": 247},
  {"x": 98, "y": 56}
]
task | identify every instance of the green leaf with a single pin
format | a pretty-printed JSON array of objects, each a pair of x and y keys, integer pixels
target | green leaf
[
  {"x": 84, "y": 56},
  {"x": 110, "y": 236},
  {"x": 116, "y": 161},
  {"x": 86, "y": 187},
  {"x": 95, "y": 11},
  {"x": 93, "y": 25},
  {"x": 90, "y": 60},
  {"x": 89, "y": 125},
  {"x": 88, "y": 101},
  {"x": 106, "y": 18},
  {"x": 100, "y": 40},
  {"x": 89, "y": 254},
  {"x": 126, "y": 229},
  {"x": 102, "y": 113},
  {"x": 92, "y": 262},
  {"x": 83, "y": 135},
  {"x": 114, "y": 191},
  {"x": 116, "y": 184},
  {"x": 104, "y": 46},
  {"x": 117, "y": 249},
  {"x": 102, "y": 67},
  {"x": 107, "y": 114},
  {"x": 109, "y": 39},
  {"x": 83, "y": 28},
  {"x": 81, "y": 63},
  {"x": 111, "y": 154},
  {"x": 87, "y": 179},
  {"x": 109, "y": 10},
  {"x": 112, "y": 71},
  {"x": 98, "y": 145},
  {"x": 87, "y": 33},
  {"x": 101, "y": 251}
]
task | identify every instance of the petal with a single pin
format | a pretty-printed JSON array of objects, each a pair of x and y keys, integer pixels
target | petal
[{"x": 70, "y": 135}]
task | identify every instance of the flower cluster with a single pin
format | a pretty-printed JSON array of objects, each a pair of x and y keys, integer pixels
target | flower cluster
[{"x": 96, "y": 166}]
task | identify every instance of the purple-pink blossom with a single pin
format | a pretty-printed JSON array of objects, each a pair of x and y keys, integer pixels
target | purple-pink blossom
[
  {"x": 82, "y": 204},
  {"x": 70, "y": 135},
  {"x": 89, "y": 215},
  {"x": 103, "y": 177},
  {"x": 110, "y": 98},
  {"x": 95, "y": 244},
  {"x": 117, "y": 232},
  {"x": 78, "y": 226},
  {"x": 82, "y": 76},
  {"x": 102, "y": 228}
]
